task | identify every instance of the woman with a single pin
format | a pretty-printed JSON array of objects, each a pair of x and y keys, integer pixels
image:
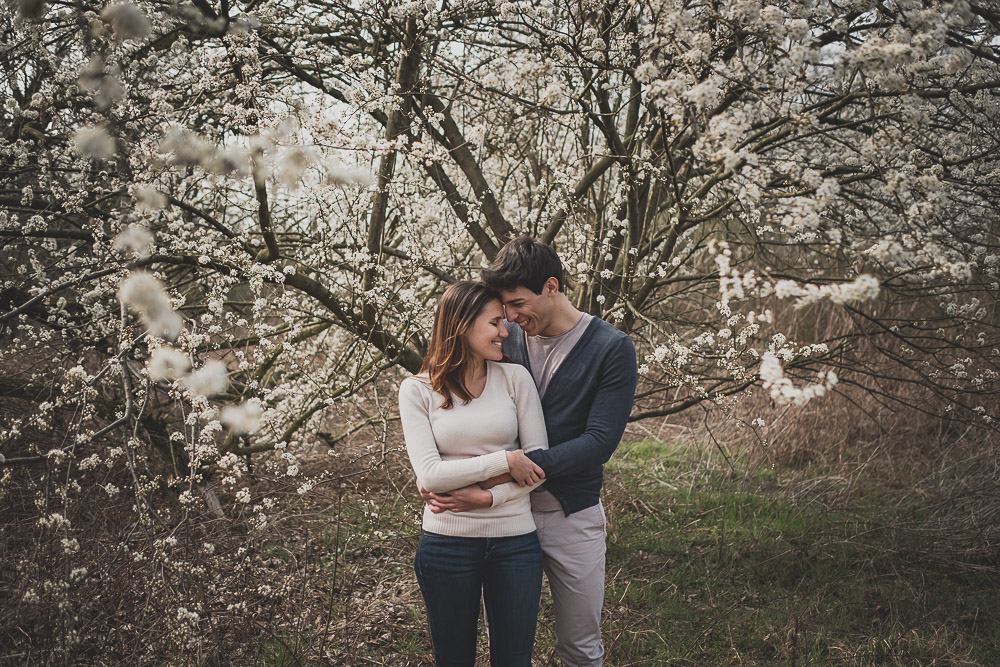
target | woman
[{"x": 467, "y": 418}]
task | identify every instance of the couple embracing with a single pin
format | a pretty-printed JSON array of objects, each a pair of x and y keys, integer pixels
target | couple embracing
[{"x": 521, "y": 400}]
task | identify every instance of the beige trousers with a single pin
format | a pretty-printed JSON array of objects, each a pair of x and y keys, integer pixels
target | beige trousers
[{"x": 573, "y": 554}]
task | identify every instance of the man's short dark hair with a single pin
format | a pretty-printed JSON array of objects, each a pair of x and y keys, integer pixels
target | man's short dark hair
[{"x": 524, "y": 261}]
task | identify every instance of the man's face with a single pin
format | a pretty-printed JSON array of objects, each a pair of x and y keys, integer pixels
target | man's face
[{"x": 532, "y": 312}]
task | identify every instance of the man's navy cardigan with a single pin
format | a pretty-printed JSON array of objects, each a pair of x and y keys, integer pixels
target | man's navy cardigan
[{"x": 586, "y": 406}]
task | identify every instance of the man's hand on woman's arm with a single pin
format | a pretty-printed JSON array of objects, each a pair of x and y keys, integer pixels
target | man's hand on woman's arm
[{"x": 522, "y": 469}]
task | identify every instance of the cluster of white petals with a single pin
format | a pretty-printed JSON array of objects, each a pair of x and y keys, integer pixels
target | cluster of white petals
[
  {"x": 94, "y": 142},
  {"x": 145, "y": 296},
  {"x": 134, "y": 240},
  {"x": 784, "y": 391},
  {"x": 862, "y": 288},
  {"x": 166, "y": 363},
  {"x": 126, "y": 20},
  {"x": 209, "y": 380},
  {"x": 243, "y": 418}
]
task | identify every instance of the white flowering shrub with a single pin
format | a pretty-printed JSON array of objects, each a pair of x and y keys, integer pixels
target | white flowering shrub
[{"x": 219, "y": 220}]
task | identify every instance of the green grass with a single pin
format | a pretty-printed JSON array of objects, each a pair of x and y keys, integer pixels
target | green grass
[
  {"x": 711, "y": 567},
  {"x": 281, "y": 652}
]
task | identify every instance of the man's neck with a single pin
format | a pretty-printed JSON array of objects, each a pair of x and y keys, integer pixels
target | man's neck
[{"x": 564, "y": 317}]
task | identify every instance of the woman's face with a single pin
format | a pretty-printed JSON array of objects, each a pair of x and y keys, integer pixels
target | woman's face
[{"x": 486, "y": 333}]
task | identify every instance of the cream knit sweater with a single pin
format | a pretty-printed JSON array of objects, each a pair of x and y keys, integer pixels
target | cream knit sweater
[{"x": 465, "y": 444}]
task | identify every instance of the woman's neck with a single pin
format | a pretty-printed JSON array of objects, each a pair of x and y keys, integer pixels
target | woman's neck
[{"x": 475, "y": 377}]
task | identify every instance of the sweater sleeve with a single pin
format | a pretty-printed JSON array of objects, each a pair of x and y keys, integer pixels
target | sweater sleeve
[
  {"x": 504, "y": 493},
  {"x": 435, "y": 474},
  {"x": 530, "y": 430},
  {"x": 606, "y": 421}
]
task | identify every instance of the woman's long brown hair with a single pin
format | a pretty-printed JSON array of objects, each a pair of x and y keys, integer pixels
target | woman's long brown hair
[{"x": 448, "y": 357}]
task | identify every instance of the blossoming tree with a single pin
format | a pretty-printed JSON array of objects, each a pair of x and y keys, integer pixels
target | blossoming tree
[{"x": 219, "y": 219}]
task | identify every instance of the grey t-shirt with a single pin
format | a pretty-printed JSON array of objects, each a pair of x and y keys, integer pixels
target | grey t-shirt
[{"x": 546, "y": 353}]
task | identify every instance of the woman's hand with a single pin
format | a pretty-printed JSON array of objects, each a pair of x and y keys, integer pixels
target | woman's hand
[
  {"x": 523, "y": 470},
  {"x": 460, "y": 500}
]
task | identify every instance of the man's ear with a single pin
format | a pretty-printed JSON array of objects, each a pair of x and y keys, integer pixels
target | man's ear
[{"x": 551, "y": 285}]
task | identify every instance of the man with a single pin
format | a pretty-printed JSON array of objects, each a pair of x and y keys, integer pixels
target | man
[{"x": 585, "y": 371}]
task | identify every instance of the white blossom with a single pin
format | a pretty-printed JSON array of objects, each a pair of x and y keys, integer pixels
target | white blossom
[
  {"x": 126, "y": 20},
  {"x": 862, "y": 288},
  {"x": 167, "y": 363},
  {"x": 134, "y": 240},
  {"x": 209, "y": 380},
  {"x": 243, "y": 418},
  {"x": 144, "y": 295},
  {"x": 148, "y": 198},
  {"x": 783, "y": 390},
  {"x": 94, "y": 142}
]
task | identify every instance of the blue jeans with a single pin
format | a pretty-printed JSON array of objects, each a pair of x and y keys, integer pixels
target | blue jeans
[{"x": 454, "y": 571}]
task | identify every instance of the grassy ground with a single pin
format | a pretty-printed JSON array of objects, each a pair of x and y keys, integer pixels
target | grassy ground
[{"x": 706, "y": 566}]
